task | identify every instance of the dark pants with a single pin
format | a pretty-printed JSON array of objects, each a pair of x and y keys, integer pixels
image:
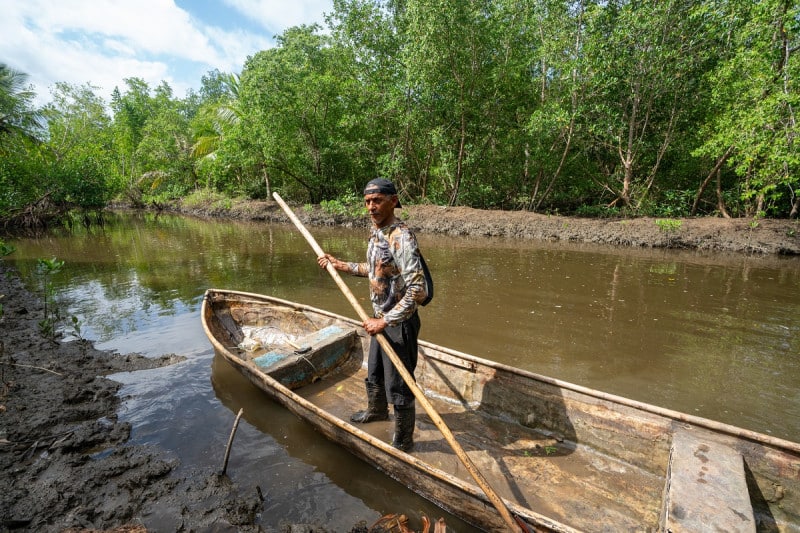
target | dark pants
[{"x": 381, "y": 371}]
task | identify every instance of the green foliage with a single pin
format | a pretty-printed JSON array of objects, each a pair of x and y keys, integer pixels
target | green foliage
[
  {"x": 669, "y": 225},
  {"x": 295, "y": 97},
  {"x": 593, "y": 108},
  {"x": 68, "y": 169},
  {"x": 350, "y": 205},
  {"x": 46, "y": 269},
  {"x": 20, "y": 133},
  {"x": 19, "y": 121},
  {"x": 75, "y": 324},
  {"x": 159, "y": 195},
  {"x": 207, "y": 199},
  {"x": 672, "y": 203},
  {"x": 18, "y": 183},
  {"x": 754, "y": 223},
  {"x": 751, "y": 118},
  {"x": 80, "y": 183},
  {"x": 6, "y": 249},
  {"x": 597, "y": 211}
]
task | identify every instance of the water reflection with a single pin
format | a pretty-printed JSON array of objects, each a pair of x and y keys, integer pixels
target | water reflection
[{"x": 709, "y": 334}]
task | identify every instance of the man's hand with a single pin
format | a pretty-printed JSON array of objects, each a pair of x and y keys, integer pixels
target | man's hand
[
  {"x": 323, "y": 261},
  {"x": 373, "y": 326}
]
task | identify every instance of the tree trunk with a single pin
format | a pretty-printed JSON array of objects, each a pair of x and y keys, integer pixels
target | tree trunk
[
  {"x": 714, "y": 171},
  {"x": 266, "y": 182},
  {"x": 720, "y": 200},
  {"x": 627, "y": 156},
  {"x": 459, "y": 161},
  {"x": 627, "y": 179}
]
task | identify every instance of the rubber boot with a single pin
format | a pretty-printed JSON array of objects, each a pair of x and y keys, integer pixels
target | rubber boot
[
  {"x": 377, "y": 406},
  {"x": 404, "y": 418}
]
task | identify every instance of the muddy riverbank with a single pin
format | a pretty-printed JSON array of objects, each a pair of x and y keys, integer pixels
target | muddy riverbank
[
  {"x": 740, "y": 235},
  {"x": 65, "y": 461}
]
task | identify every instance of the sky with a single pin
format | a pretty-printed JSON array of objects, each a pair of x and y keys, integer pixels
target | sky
[{"x": 102, "y": 42}]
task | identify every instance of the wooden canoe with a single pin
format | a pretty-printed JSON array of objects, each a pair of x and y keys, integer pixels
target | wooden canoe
[{"x": 563, "y": 457}]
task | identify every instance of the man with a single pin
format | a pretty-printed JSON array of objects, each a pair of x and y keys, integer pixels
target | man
[{"x": 397, "y": 288}]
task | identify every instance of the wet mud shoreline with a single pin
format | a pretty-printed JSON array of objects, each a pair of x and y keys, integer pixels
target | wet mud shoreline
[{"x": 64, "y": 456}]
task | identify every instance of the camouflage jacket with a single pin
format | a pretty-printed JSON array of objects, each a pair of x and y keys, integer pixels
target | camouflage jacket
[{"x": 396, "y": 278}]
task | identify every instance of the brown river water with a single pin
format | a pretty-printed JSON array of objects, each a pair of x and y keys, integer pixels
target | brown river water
[{"x": 712, "y": 335}]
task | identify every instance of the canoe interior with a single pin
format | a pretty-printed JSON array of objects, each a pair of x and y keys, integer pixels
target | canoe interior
[
  {"x": 583, "y": 459},
  {"x": 292, "y": 346}
]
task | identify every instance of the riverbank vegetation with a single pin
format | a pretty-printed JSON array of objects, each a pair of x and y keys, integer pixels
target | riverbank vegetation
[{"x": 594, "y": 108}]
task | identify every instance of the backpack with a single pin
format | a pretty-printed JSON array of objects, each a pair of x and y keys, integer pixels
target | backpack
[
  {"x": 428, "y": 281},
  {"x": 426, "y": 271}
]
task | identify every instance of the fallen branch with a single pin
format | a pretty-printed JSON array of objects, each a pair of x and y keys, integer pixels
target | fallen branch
[
  {"x": 230, "y": 441},
  {"x": 58, "y": 437},
  {"x": 31, "y": 366}
]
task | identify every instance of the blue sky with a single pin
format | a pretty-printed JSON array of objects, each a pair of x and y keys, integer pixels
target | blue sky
[{"x": 101, "y": 42}]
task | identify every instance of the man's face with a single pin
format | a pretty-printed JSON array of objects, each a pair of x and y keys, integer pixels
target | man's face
[{"x": 380, "y": 207}]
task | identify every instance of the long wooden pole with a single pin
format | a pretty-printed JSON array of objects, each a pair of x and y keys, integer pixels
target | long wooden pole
[{"x": 407, "y": 377}]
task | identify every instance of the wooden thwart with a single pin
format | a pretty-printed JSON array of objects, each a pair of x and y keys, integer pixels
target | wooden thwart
[
  {"x": 706, "y": 488},
  {"x": 321, "y": 352}
]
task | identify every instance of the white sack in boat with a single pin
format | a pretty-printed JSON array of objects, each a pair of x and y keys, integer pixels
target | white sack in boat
[{"x": 256, "y": 337}]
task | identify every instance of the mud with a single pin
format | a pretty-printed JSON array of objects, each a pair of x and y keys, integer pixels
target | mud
[
  {"x": 741, "y": 235},
  {"x": 65, "y": 460},
  {"x": 65, "y": 463}
]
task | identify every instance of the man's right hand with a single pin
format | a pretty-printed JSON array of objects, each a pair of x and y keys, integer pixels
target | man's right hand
[{"x": 323, "y": 261}]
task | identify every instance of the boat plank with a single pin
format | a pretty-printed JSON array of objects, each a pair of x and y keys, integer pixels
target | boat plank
[{"x": 706, "y": 488}]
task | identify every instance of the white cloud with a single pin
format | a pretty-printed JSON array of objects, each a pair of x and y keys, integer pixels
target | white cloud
[
  {"x": 277, "y": 15},
  {"x": 153, "y": 26},
  {"x": 235, "y": 47},
  {"x": 104, "y": 41}
]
